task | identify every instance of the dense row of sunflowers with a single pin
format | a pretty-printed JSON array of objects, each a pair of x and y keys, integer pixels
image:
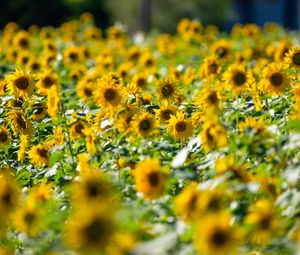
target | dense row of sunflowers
[{"x": 165, "y": 144}]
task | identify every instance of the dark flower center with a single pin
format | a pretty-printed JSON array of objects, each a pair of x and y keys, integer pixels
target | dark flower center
[
  {"x": 141, "y": 82},
  {"x": 21, "y": 121},
  {"x": 153, "y": 179},
  {"x": 29, "y": 218},
  {"x": 222, "y": 52},
  {"x": 78, "y": 128},
  {"x": 219, "y": 238},
  {"x": 265, "y": 222},
  {"x": 213, "y": 67},
  {"x": 166, "y": 114},
  {"x": 22, "y": 83},
  {"x": 239, "y": 78},
  {"x": 149, "y": 62},
  {"x": 96, "y": 231},
  {"x": 180, "y": 126},
  {"x": 24, "y": 43},
  {"x": 43, "y": 153},
  {"x": 48, "y": 82},
  {"x": 296, "y": 58},
  {"x": 110, "y": 94},
  {"x": 212, "y": 98},
  {"x": 7, "y": 198},
  {"x": 145, "y": 125},
  {"x": 3, "y": 137},
  {"x": 73, "y": 56},
  {"x": 87, "y": 92},
  {"x": 167, "y": 90},
  {"x": 276, "y": 79},
  {"x": 93, "y": 189}
]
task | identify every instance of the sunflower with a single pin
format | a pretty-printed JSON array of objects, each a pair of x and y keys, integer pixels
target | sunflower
[
  {"x": 167, "y": 89},
  {"x": 186, "y": 203},
  {"x": 72, "y": 55},
  {"x": 165, "y": 112},
  {"x": 20, "y": 124},
  {"x": 9, "y": 192},
  {"x": 47, "y": 79},
  {"x": 221, "y": 49},
  {"x": 124, "y": 119},
  {"x": 5, "y": 137},
  {"x": 20, "y": 83},
  {"x": 76, "y": 129},
  {"x": 85, "y": 88},
  {"x": 124, "y": 70},
  {"x": 133, "y": 54},
  {"x": 22, "y": 40},
  {"x": 24, "y": 140},
  {"x": 148, "y": 61},
  {"x": 40, "y": 194},
  {"x": 275, "y": 79},
  {"x": 24, "y": 58},
  {"x": 263, "y": 220},
  {"x": 92, "y": 186},
  {"x": 215, "y": 235},
  {"x": 108, "y": 94},
  {"x": 180, "y": 127},
  {"x": 39, "y": 155},
  {"x": 282, "y": 49},
  {"x": 150, "y": 179},
  {"x": 39, "y": 111},
  {"x": 293, "y": 57},
  {"x": 213, "y": 135},
  {"x": 144, "y": 124},
  {"x": 211, "y": 201},
  {"x": 252, "y": 124},
  {"x": 90, "y": 139},
  {"x": 28, "y": 219},
  {"x": 210, "y": 68},
  {"x": 238, "y": 78},
  {"x": 238, "y": 171},
  {"x": 53, "y": 102},
  {"x": 121, "y": 244},
  {"x": 140, "y": 80},
  {"x": 210, "y": 99},
  {"x": 90, "y": 229},
  {"x": 34, "y": 65}
]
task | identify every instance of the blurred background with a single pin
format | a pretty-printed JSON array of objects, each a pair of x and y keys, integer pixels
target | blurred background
[{"x": 162, "y": 15}]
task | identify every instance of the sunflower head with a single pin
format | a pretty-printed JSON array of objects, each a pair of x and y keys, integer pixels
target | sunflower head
[
  {"x": 215, "y": 235},
  {"x": 275, "y": 79},
  {"x": 9, "y": 192},
  {"x": 293, "y": 57},
  {"x": 20, "y": 83},
  {"x": 5, "y": 137},
  {"x": 238, "y": 79},
  {"x": 150, "y": 179},
  {"x": 20, "y": 124},
  {"x": 186, "y": 203},
  {"x": 28, "y": 219},
  {"x": 39, "y": 155},
  {"x": 263, "y": 220},
  {"x": 108, "y": 94},
  {"x": 221, "y": 49},
  {"x": 90, "y": 229},
  {"x": 47, "y": 79},
  {"x": 145, "y": 124},
  {"x": 180, "y": 127},
  {"x": 167, "y": 89}
]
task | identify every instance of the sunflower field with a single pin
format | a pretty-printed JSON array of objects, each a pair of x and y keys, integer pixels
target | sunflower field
[{"x": 151, "y": 144}]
